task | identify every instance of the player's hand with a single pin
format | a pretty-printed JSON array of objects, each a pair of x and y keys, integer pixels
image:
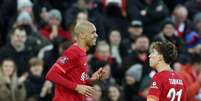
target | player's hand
[
  {"x": 85, "y": 90},
  {"x": 98, "y": 75}
]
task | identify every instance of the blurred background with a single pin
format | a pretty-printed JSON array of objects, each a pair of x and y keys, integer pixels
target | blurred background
[{"x": 34, "y": 33}]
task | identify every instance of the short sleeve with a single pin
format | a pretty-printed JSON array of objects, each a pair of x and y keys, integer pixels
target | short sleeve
[
  {"x": 66, "y": 62},
  {"x": 155, "y": 88}
]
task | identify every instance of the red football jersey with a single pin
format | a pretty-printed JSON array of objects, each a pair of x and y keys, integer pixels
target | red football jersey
[
  {"x": 73, "y": 64},
  {"x": 167, "y": 86}
]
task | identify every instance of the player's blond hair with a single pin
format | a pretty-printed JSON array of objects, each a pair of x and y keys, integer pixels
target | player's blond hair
[{"x": 81, "y": 27}]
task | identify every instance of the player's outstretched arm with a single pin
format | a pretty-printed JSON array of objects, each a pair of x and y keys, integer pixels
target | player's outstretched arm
[{"x": 55, "y": 75}]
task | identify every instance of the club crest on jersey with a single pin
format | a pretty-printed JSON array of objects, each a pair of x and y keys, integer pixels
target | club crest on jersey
[
  {"x": 154, "y": 85},
  {"x": 63, "y": 60},
  {"x": 84, "y": 76}
]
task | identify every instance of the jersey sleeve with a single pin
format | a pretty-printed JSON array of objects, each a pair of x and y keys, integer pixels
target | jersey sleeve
[
  {"x": 155, "y": 88},
  {"x": 66, "y": 62}
]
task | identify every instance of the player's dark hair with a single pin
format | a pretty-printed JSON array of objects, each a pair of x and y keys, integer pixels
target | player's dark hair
[{"x": 167, "y": 50}]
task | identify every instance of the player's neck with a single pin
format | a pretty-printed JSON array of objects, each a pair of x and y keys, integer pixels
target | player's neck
[
  {"x": 162, "y": 66},
  {"x": 82, "y": 45}
]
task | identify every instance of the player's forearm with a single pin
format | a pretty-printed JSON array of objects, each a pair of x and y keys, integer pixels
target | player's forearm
[{"x": 55, "y": 76}]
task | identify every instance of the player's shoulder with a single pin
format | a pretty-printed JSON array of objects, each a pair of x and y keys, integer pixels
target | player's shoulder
[
  {"x": 162, "y": 75},
  {"x": 71, "y": 51}
]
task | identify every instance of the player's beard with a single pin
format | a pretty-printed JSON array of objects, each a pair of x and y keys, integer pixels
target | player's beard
[{"x": 93, "y": 42}]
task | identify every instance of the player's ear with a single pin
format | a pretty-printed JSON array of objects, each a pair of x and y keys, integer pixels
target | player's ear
[{"x": 81, "y": 35}]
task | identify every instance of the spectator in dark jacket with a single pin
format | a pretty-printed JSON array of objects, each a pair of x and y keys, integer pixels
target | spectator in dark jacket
[
  {"x": 168, "y": 30},
  {"x": 150, "y": 12},
  {"x": 135, "y": 29},
  {"x": 16, "y": 50},
  {"x": 143, "y": 90},
  {"x": 37, "y": 87},
  {"x": 8, "y": 12},
  {"x": 138, "y": 55},
  {"x": 102, "y": 54},
  {"x": 113, "y": 18},
  {"x": 193, "y": 7},
  {"x": 133, "y": 78},
  {"x": 35, "y": 41}
]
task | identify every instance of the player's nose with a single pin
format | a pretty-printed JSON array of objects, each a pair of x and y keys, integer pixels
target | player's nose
[{"x": 96, "y": 35}]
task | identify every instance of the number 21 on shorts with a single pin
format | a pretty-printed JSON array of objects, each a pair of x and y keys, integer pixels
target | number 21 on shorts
[{"x": 172, "y": 93}]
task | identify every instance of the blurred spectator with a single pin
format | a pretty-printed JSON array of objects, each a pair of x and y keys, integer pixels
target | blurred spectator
[
  {"x": 82, "y": 16},
  {"x": 53, "y": 31},
  {"x": 143, "y": 90},
  {"x": 192, "y": 75},
  {"x": 108, "y": 76},
  {"x": 16, "y": 50},
  {"x": 43, "y": 18},
  {"x": 24, "y": 18},
  {"x": 193, "y": 38},
  {"x": 135, "y": 29},
  {"x": 168, "y": 30},
  {"x": 133, "y": 77},
  {"x": 150, "y": 12},
  {"x": 113, "y": 18},
  {"x": 8, "y": 11},
  {"x": 45, "y": 5},
  {"x": 183, "y": 25},
  {"x": 114, "y": 93},
  {"x": 117, "y": 49},
  {"x": 94, "y": 16},
  {"x": 172, "y": 3},
  {"x": 121, "y": 4},
  {"x": 193, "y": 7},
  {"x": 37, "y": 87},
  {"x": 138, "y": 55},
  {"x": 102, "y": 54},
  {"x": 35, "y": 42},
  {"x": 11, "y": 88},
  {"x": 25, "y": 5}
]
